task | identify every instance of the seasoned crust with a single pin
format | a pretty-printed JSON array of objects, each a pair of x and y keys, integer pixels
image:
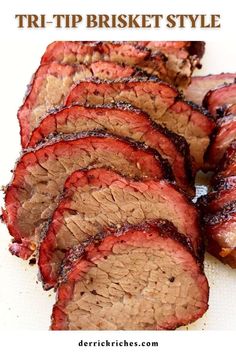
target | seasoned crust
[
  {"x": 121, "y": 52},
  {"x": 220, "y": 227},
  {"x": 40, "y": 174},
  {"x": 183, "y": 58},
  {"x": 41, "y": 96},
  {"x": 224, "y": 214},
  {"x": 165, "y": 228},
  {"x": 135, "y": 126},
  {"x": 183, "y": 118},
  {"x": 90, "y": 47},
  {"x": 171, "y": 61},
  {"x": 219, "y": 99},
  {"x": 221, "y": 137},
  {"x": 179, "y": 141},
  {"x": 74, "y": 222},
  {"x": 57, "y": 138},
  {"x": 218, "y": 208},
  {"x": 227, "y": 165},
  {"x": 218, "y": 199}
]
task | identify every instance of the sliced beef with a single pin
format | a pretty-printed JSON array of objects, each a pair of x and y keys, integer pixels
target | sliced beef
[
  {"x": 156, "y": 98},
  {"x": 227, "y": 166},
  {"x": 99, "y": 199},
  {"x": 51, "y": 84},
  {"x": 220, "y": 228},
  {"x": 125, "y": 121},
  {"x": 219, "y": 99},
  {"x": 182, "y": 49},
  {"x": 200, "y": 85},
  {"x": 183, "y": 58},
  {"x": 77, "y": 52},
  {"x": 40, "y": 175},
  {"x": 171, "y": 61},
  {"x": 218, "y": 199},
  {"x": 219, "y": 210},
  {"x": 222, "y": 137},
  {"x": 140, "y": 278}
]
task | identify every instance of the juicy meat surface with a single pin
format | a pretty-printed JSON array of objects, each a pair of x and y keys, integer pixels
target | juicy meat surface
[
  {"x": 227, "y": 165},
  {"x": 51, "y": 84},
  {"x": 223, "y": 135},
  {"x": 142, "y": 278},
  {"x": 157, "y": 99},
  {"x": 200, "y": 85},
  {"x": 69, "y": 52},
  {"x": 219, "y": 99},
  {"x": 40, "y": 175},
  {"x": 220, "y": 228},
  {"x": 98, "y": 199},
  {"x": 125, "y": 121},
  {"x": 182, "y": 58}
]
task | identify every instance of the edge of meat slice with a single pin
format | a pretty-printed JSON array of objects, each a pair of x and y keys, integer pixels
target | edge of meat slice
[{"x": 140, "y": 278}]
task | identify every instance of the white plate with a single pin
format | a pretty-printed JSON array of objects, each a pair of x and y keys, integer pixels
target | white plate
[{"x": 23, "y": 303}]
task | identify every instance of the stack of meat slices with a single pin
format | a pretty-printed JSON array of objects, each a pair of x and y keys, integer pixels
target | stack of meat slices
[
  {"x": 218, "y": 94},
  {"x": 101, "y": 283},
  {"x": 173, "y": 62},
  {"x": 219, "y": 209},
  {"x": 201, "y": 85},
  {"x": 101, "y": 194}
]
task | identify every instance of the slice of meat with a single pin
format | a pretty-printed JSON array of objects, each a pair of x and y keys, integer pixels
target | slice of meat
[
  {"x": 51, "y": 84},
  {"x": 40, "y": 175},
  {"x": 200, "y": 85},
  {"x": 171, "y": 61},
  {"x": 156, "y": 98},
  {"x": 219, "y": 99},
  {"x": 216, "y": 200},
  {"x": 220, "y": 228},
  {"x": 181, "y": 49},
  {"x": 223, "y": 135},
  {"x": 76, "y": 52},
  {"x": 125, "y": 121},
  {"x": 183, "y": 58},
  {"x": 98, "y": 199},
  {"x": 141, "y": 278},
  {"x": 214, "y": 207},
  {"x": 227, "y": 166}
]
